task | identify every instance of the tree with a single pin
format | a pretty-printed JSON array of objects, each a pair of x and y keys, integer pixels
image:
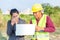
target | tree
[{"x": 48, "y": 9}]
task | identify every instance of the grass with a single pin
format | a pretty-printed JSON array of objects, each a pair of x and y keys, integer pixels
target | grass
[{"x": 4, "y": 18}]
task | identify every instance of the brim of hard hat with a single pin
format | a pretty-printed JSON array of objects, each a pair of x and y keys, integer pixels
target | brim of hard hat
[{"x": 36, "y": 10}]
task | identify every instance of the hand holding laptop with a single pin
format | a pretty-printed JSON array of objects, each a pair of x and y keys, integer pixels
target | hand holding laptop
[{"x": 39, "y": 28}]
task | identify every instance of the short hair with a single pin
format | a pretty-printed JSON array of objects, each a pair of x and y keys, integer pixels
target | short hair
[{"x": 14, "y": 11}]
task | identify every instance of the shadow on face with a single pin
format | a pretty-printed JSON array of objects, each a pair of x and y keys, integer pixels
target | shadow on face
[
  {"x": 15, "y": 16},
  {"x": 37, "y": 15}
]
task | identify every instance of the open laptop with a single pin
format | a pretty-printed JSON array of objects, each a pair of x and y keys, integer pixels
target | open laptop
[{"x": 25, "y": 29}]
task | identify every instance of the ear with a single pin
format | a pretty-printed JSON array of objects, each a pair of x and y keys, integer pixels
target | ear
[
  {"x": 42, "y": 11},
  {"x": 18, "y": 15}
]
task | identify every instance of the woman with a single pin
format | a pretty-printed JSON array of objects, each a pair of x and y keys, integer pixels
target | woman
[{"x": 11, "y": 25}]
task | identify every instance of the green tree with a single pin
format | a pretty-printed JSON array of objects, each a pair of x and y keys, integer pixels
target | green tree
[{"x": 48, "y": 9}]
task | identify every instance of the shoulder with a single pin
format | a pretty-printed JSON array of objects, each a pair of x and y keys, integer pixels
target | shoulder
[
  {"x": 9, "y": 21},
  {"x": 49, "y": 20},
  {"x": 48, "y": 17},
  {"x": 22, "y": 21}
]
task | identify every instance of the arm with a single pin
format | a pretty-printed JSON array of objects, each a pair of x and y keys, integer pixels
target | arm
[
  {"x": 49, "y": 25},
  {"x": 9, "y": 28}
]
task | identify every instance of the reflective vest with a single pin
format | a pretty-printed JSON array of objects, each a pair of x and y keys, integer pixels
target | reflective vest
[{"x": 41, "y": 23}]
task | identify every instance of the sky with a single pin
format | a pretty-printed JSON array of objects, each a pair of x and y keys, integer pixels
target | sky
[{"x": 24, "y": 4}]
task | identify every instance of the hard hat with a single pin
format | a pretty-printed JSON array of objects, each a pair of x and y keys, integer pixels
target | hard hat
[{"x": 37, "y": 7}]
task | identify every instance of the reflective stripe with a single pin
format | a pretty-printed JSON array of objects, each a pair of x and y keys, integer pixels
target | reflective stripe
[{"x": 42, "y": 22}]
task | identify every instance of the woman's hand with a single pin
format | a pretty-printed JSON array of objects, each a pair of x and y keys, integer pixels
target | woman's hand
[
  {"x": 39, "y": 28},
  {"x": 12, "y": 21}
]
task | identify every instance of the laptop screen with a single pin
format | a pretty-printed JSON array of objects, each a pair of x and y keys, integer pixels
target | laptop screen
[{"x": 25, "y": 29}]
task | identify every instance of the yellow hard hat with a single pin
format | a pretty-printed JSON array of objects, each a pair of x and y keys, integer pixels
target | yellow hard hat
[{"x": 37, "y": 7}]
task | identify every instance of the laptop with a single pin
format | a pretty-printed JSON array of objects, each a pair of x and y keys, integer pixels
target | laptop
[{"x": 25, "y": 29}]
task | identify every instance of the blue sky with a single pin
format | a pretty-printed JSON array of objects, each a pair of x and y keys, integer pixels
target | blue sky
[{"x": 24, "y": 4}]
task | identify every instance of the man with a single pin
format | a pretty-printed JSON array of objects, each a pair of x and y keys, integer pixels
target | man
[
  {"x": 11, "y": 25},
  {"x": 43, "y": 23}
]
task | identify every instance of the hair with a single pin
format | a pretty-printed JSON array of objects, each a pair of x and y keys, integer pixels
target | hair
[{"x": 14, "y": 11}]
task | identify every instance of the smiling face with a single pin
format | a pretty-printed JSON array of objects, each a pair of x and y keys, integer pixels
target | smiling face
[{"x": 37, "y": 14}]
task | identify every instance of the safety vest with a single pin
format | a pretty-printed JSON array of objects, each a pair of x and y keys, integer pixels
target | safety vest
[{"x": 41, "y": 23}]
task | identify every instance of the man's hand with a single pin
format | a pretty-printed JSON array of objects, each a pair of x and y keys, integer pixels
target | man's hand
[{"x": 39, "y": 28}]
